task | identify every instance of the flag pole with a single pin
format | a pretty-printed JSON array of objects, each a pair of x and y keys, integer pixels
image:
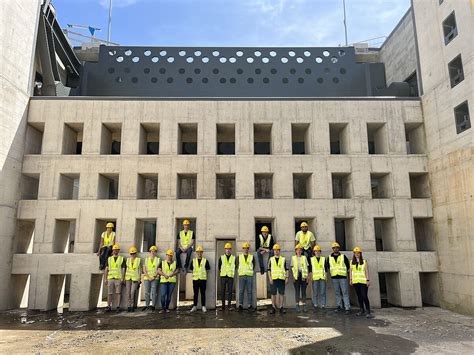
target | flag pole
[
  {"x": 345, "y": 22},
  {"x": 110, "y": 21}
]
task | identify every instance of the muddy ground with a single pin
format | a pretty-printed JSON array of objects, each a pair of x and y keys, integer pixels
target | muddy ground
[{"x": 393, "y": 330}]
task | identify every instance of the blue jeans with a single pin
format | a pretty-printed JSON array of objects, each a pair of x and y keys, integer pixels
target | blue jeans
[
  {"x": 319, "y": 293},
  {"x": 166, "y": 290},
  {"x": 153, "y": 287},
  {"x": 189, "y": 253},
  {"x": 342, "y": 286},
  {"x": 246, "y": 284}
]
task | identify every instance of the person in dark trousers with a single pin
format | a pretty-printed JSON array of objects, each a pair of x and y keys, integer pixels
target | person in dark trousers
[
  {"x": 199, "y": 267},
  {"x": 245, "y": 270},
  {"x": 107, "y": 240},
  {"x": 278, "y": 279},
  {"x": 227, "y": 273},
  {"x": 359, "y": 279},
  {"x": 265, "y": 246},
  {"x": 338, "y": 266},
  {"x": 186, "y": 238}
]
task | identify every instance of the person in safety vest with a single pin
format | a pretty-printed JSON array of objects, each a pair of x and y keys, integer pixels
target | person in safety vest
[
  {"x": 265, "y": 246},
  {"x": 337, "y": 265},
  {"x": 245, "y": 270},
  {"x": 300, "y": 268},
  {"x": 151, "y": 278},
  {"x": 199, "y": 267},
  {"x": 318, "y": 275},
  {"x": 185, "y": 239},
  {"x": 359, "y": 279},
  {"x": 114, "y": 277},
  {"x": 278, "y": 278},
  {"x": 168, "y": 271},
  {"x": 133, "y": 276},
  {"x": 226, "y": 273},
  {"x": 306, "y": 239},
  {"x": 107, "y": 240}
]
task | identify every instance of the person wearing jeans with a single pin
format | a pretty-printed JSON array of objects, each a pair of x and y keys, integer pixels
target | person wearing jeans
[
  {"x": 199, "y": 267},
  {"x": 338, "y": 265},
  {"x": 133, "y": 275},
  {"x": 318, "y": 275},
  {"x": 245, "y": 270},
  {"x": 359, "y": 279},
  {"x": 186, "y": 239},
  {"x": 265, "y": 246},
  {"x": 167, "y": 272},
  {"x": 150, "y": 271}
]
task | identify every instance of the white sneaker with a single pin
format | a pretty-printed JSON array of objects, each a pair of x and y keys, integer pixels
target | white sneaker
[
  {"x": 194, "y": 309},
  {"x": 204, "y": 309}
]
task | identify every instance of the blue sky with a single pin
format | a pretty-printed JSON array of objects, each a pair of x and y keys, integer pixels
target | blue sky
[{"x": 234, "y": 22}]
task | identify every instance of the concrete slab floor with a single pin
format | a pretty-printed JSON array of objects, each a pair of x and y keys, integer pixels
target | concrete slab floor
[{"x": 393, "y": 330}]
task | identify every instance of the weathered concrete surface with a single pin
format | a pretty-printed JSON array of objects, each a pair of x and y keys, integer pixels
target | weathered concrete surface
[{"x": 394, "y": 330}]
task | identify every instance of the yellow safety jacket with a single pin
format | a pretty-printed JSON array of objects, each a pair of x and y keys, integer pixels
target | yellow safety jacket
[
  {"x": 278, "y": 269},
  {"x": 115, "y": 267},
  {"x": 305, "y": 239},
  {"x": 227, "y": 266},
  {"x": 133, "y": 269},
  {"x": 199, "y": 270},
  {"x": 265, "y": 243},
  {"x": 245, "y": 266},
  {"x": 185, "y": 238},
  {"x": 151, "y": 266},
  {"x": 358, "y": 273},
  {"x": 337, "y": 268},
  {"x": 317, "y": 268},
  {"x": 168, "y": 269},
  {"x": 304, "y": 267},
  {"x": 109, "y": 239}
]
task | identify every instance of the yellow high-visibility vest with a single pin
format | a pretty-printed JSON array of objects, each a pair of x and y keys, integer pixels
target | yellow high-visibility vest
[
  {"x": 305, "y": 239},
  {"x": 115, "y": 267},
  {"x": 304, "y": 266},
  {"x": 199, "y": 270},
  {"x": 318, "y": 268},
  {"x": 277, "y": 269},
  {"x": 151, "y": 265},
  {"x": 185, "y": 238},
  {"x": 358, "y": 273},
  {"x": 227, "y": 266},
  {"x": 265, "y": 243},
  {"x": 109, "y": 239},
  {"x": 337, "y": 268},
  {"x": 133, "y": 269},
  {"x": 245, "y": 266},
  {"x": 168, "y": 269}
]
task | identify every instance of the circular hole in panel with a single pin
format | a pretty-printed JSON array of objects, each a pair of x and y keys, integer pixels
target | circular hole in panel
[
  {"x": 190, "y": 59},
  {"x": 326, "y": 53},
  {"x": 154, "y": 80},
  {"x": 293, "y": 71},
  {"x": 215, "y": 53},
  {"x": 134, "y": 80},
  {"x": 170, "y": 59},
  {"x": 128, "y": 52},
  {"x": 112, "y": 52},
  {"x": 334, "y": 60},
  {"x": 147, "y": 53},
  {"x": 205, "y": 80},
  {"x": 162, "y": 70},
  {"x": 319, "y": 60},
  {"x": 197, "y": 71},
  {"x": 258, "y": 71},
  {"x": 232, "y": 80},
  {"x": 301, "y": 80},
  {"x": 240, "y": 71},
  {"x": 257, "y": 53},
  {"x": 320, "y": 80},
  {"x": 285, "y": 80},
  {"x": 284, "y": 60},
  {"x": 307, "y": 53},
  {"x": 266, "y": 80},
  {"x": 119, "y": 59},
  {"x": 273, "y": 53},
  {"x": 273, "y": 71},
  {"x": 343, "y": 71},
  {"x": 182, "y": 53},
  {"x": 222, "y": 80},
  {"x": 155, "y": 59},
  {"x": 163, "y": 53},
  {"x": 291, "y": 53},
  {"x": 249, "y": 60},
  {"x": 146, "y": 70},
  {"x": 341, "y": 53},
  {"x": 307, "y": 71},
  {"x": 205, "y": 59},
  {"x": 250, "y": 80},
  {"x": 239, "y": 53},
  {"x": 181, "y": 71},
  {"x": 232, "y": 60},
  {"x": 299, "y": 60},
  {"x": 197, "y": 53},
  {"x": 189, "y": 80},
  {"x": 215, "y": 71},
  {"x": 265, "y": 60},
  {"x": 222, "y": 59},
  {"x": 135, "y": 59},
  {"x": 169, "y": 80}
]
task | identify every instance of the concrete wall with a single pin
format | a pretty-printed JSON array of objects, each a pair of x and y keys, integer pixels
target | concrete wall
[
  {"x": 18, "y": 20},
  {"x": 450, "y": 155},
  {"x": 398, "y": 52},
  {"x": 221, "y": 219}
]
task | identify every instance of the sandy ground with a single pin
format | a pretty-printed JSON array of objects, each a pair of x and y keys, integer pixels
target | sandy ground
[{"x": 394, "y": 330}]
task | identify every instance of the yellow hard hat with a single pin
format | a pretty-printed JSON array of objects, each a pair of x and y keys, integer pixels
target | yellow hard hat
[
  {"x": 153, "y": 248},
  {"x": 199, "y": 248},
  {"x": 186, "y": 222},
  {"x": 132, "y": 250},
  {"x": 303, "y": 224},
  {"x": 276, "y": 247},
  {"x": 228, "y": 246},
  {"x": 109, "y": 225},
  {"x": 169, "y": 252},
  {"x": 317, "y": 247},
  {"x": 298, "y": 246},
  {"x": 264, "y": 229},
  {"x": 335, "y": 245},
  {"x": 357, "y": 250},
  {"x": 245, "y": 245},
  {"x": 116, "y": 247}
]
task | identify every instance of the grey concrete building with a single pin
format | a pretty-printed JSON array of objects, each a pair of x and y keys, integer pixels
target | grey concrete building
[{"x": 372, "y": 148}]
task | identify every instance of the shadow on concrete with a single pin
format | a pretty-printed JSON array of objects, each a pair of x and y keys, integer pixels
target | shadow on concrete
[{"x": 357, "y": 334}]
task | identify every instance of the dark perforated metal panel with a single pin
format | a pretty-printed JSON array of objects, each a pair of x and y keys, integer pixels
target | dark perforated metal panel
[{"x": 229, "y": 72}]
